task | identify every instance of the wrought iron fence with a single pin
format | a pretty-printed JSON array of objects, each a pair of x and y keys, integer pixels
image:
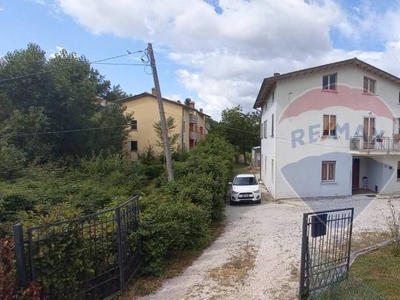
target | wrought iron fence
[
  {"x": 90, "y": 257},
  {"x": 325, "y": 255},
  {"x": 325, "y": 258}
]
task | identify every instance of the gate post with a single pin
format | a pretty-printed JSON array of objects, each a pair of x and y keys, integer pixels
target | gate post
[
  {"x": 120, "y": 250},
  {"x": 303, "y": 292},
  {"x": 20, "y": 255}
]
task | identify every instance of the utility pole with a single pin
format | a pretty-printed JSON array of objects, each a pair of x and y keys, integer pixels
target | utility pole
[{"x": 164, "y": 129}]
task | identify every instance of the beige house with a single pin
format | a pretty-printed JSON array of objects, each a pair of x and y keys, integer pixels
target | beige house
[{"x": 191, "y": 124}]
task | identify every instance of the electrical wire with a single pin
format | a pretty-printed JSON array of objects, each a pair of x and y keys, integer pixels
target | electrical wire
[
  {"x": 62, "y": 131},
  {"x": 93, "y": 62}
]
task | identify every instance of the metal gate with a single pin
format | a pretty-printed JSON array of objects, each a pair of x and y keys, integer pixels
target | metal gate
[
  {"x": 89, "y": 257},
  {"x": 325, "y": 252}
]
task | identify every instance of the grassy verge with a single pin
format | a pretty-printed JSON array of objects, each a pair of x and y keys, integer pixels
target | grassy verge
[
  {"x": 241, "y": 168},
  {"x": 146, "y": 285},
  {"x": 381, "y": 271},
  {"x": 374, "y": 276}
]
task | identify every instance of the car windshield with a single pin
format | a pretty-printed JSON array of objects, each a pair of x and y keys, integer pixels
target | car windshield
[{"x": 245, "y": 181}]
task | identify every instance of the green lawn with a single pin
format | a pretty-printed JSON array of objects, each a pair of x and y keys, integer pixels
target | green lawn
[
  {"x": 381, "y": 271},
  {"x": 373, "y": 276}
]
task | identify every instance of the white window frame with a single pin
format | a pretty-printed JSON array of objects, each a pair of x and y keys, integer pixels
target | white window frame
[
  {"x": 329, "y": 123},
  {"x": 367, "y": 85},
  {"x": 329, "y": 165},
  {"x": 272, "y": 125},
  {"x": 329, "y": 85},
  {"x": 272, "y": 169}
]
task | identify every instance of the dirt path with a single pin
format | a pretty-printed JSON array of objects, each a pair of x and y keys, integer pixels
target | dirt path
[{"x": 257, "y": 257}]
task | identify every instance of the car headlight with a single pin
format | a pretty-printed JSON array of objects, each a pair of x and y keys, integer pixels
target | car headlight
[
  {"x": 235, "y": 192},
  {"x": 256, "y": 191}
]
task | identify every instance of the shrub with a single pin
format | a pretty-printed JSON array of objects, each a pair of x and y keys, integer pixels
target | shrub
[
  {"x": 169, "y": 225},
  {"x": 8, "y": 280}
]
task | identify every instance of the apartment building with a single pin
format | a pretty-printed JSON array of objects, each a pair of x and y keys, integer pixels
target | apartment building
[
  {"x": 191, "y": 124},
  {"x": 330, "y": 130}
]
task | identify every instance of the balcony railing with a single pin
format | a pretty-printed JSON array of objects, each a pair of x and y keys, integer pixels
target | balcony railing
[
  {"x": 192, "y": 119},
  {"x": 193, "y": 135},
  {"x": 375, "y": 145}
]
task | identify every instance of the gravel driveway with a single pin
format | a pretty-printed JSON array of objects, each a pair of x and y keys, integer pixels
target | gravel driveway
[{"x": 257, "y": 257}]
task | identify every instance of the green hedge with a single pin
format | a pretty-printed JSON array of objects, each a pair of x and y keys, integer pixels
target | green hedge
[{"x": 178, "y": 214}]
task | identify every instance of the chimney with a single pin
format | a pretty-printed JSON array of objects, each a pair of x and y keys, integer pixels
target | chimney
[
  {"x": 201, "y": 110},
  {"x": 191, "y": 103},
  {"x": 277, "y": 74},
  {"x": 153, "y": 91}
]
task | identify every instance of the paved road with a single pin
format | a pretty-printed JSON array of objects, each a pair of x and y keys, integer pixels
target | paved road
[{"x": 257, "y": 257}]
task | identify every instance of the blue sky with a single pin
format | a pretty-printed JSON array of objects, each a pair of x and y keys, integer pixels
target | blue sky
[{"x": 215, "y": 51}]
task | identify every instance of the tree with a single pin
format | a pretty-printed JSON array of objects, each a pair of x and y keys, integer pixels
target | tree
[
  {"x": 239, "y": 129},
  {"x": 59, "y": 96},
  {"x": 173, "y": 137}
]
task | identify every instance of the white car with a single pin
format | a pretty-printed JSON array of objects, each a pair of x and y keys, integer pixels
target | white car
[{"x": 244, "y": 188}]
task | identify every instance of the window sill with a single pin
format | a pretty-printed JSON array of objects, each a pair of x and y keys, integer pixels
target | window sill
[
  {"x": 331, "y": 137},
  {"x": 369, "y": 94},
  {"x": 328, "y": 183},
  {"x": 330, "y": 91}
]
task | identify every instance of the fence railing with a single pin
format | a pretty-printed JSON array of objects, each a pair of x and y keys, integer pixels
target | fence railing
[
  {"x": 381, "y": 145},
  {"x": 89, "y": 257},
  {"x": 325, "y": 253}
]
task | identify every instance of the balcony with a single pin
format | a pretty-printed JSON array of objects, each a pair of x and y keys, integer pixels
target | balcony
[
  {"x": 193, "y": 135},
  {"x": 374, "y": 145},
  {"x": 192, "y": 118}
]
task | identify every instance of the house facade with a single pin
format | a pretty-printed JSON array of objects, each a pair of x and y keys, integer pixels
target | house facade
[
  {"x": 191, "y": 124},
  {"x": 331, "y": 130}
]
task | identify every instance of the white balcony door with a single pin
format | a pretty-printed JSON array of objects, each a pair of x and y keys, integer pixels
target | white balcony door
[{"x": 369, "y": 131}]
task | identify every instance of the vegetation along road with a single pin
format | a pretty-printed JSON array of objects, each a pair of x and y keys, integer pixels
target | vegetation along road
[{"x": 257, "y": 257}]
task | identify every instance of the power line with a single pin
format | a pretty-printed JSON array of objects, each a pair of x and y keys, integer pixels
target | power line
[
  {"x": 119, "y": 64},
  {"x": 100, "y": 61},
  {"x": 62, "y": 131}
]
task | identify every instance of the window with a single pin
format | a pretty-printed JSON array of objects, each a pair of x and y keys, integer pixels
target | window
[
  {"x": 328, "y": 171},
  {"x": 398, "y": 170},
  {"x": 272, "y": 126},
  {"x": 398, "y": 125},
  {"x": 261, "y": 130},
  {"x": 184, "y": 126},
  {"x": 329, "y": 125},
  {"x": 201, "y": 130},
  {"x": 399, "y": 97},
  {"x": 134, "y": 125},
  {"x": 329, "y": 82},
  {"x": 272, "y": 170},
  {"x": 265, "y": 163},
  {"x": 369, "y": 85},
  {"x": 134, "y": 146},
  {"x": 192, "y": 127},
  {"x": 265, "y": 129},
  {"x": 273, "y": 96}
]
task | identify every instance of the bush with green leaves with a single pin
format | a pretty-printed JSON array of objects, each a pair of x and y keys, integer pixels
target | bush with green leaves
[
  {"x": 178, "y": 214},
  {"x": 168, "y": 225}
]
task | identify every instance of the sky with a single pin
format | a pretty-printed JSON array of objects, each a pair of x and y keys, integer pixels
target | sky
[{"x": 216, "y": 52}]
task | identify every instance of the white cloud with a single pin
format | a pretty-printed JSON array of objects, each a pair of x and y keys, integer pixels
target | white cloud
[
  {"x": 224, "y": 56},
  {"x": 58, "y": 49},
  {"x": 1, "y": 8}
]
